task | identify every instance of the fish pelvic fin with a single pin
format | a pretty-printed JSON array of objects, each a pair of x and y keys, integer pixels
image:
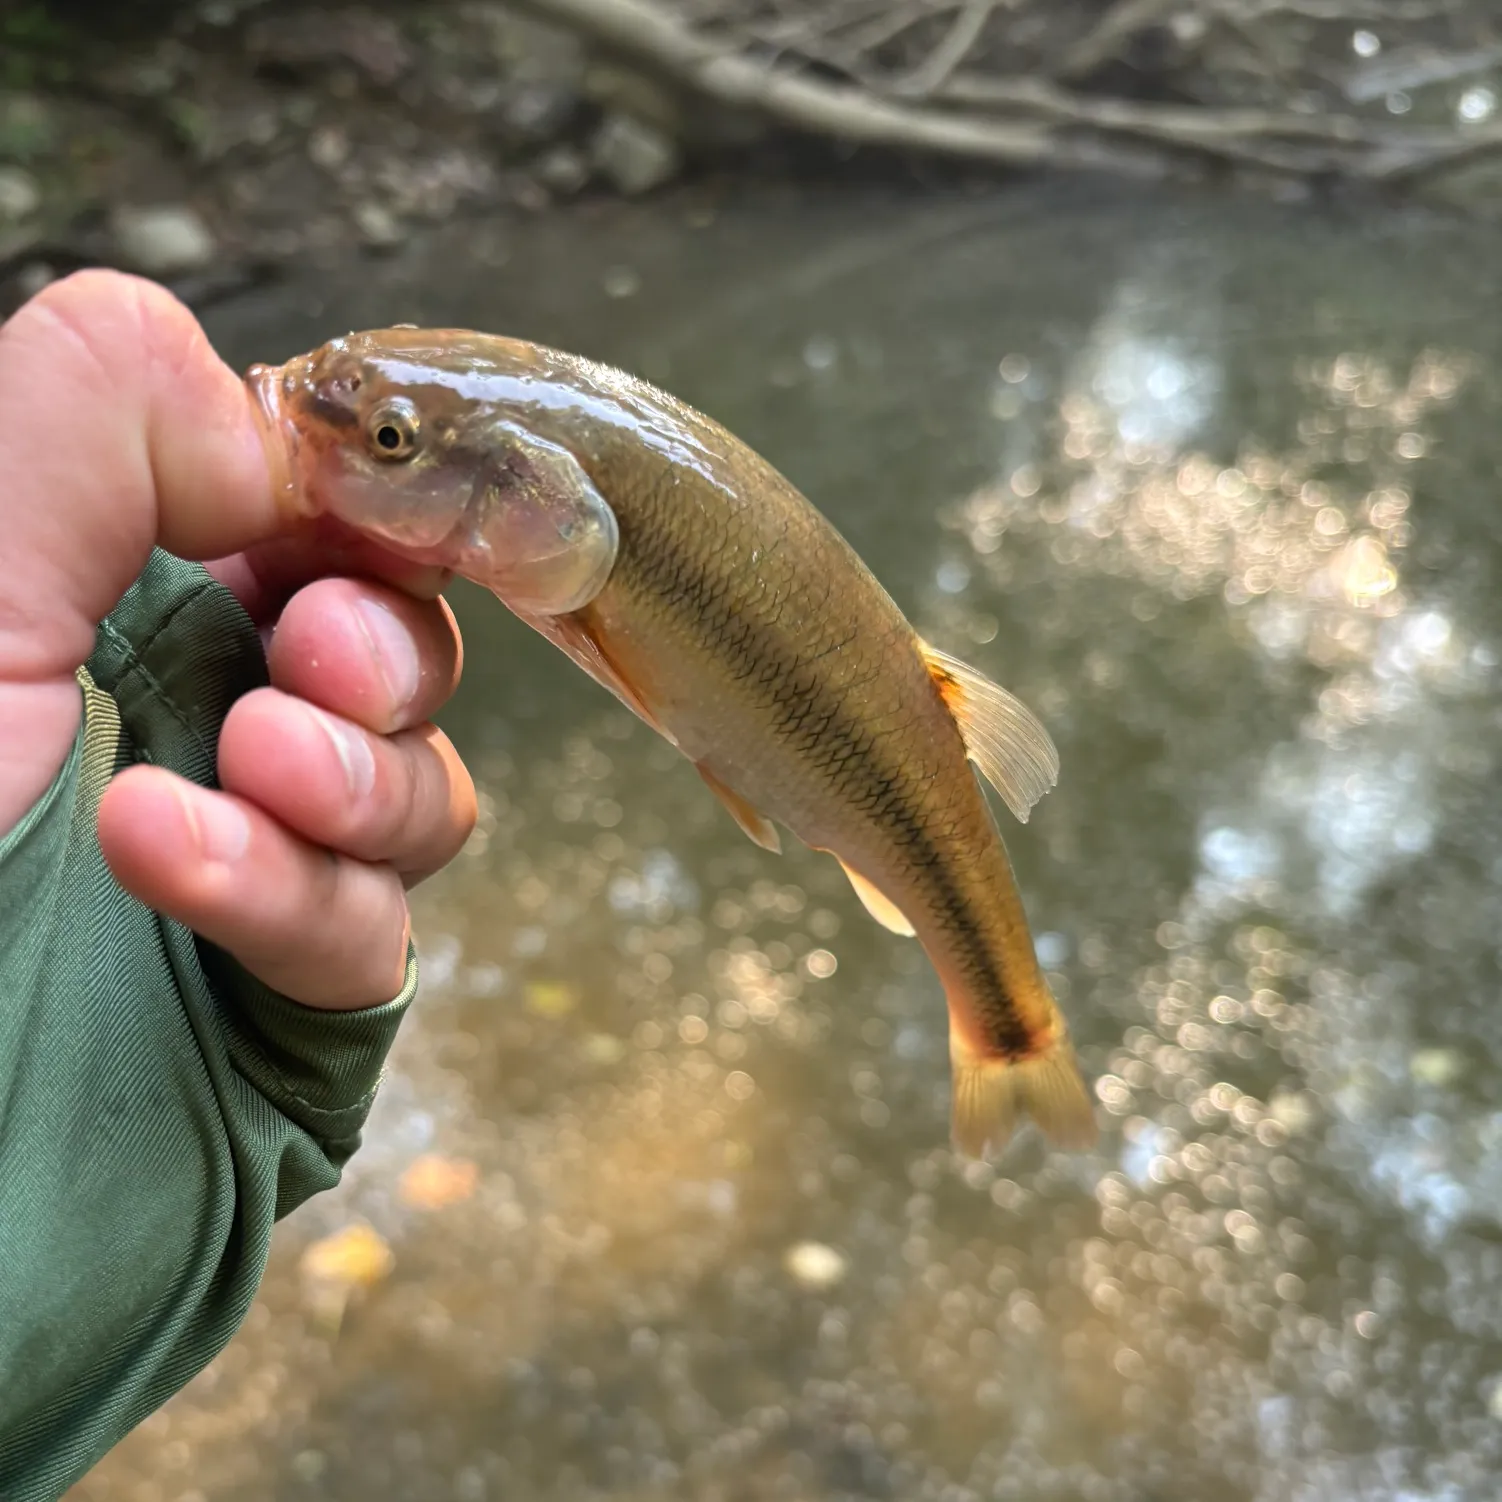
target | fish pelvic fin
[
  {"x": 1002, "y": 736},
  {"x": 754, "y": 824},
  {"x": 878, "y": 904},
  {"x": 992, "y": 1095},
  {"x": 574, "y": 636}
]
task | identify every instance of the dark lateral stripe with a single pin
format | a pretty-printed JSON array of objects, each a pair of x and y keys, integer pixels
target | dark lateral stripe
[{"x": 807, "y": 714}]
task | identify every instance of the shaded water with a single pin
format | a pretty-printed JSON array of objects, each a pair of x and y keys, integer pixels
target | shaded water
[{"x": 657, "y": 1201}]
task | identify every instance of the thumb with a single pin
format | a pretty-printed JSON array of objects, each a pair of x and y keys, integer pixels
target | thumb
[{"x": 123, "y": 430}]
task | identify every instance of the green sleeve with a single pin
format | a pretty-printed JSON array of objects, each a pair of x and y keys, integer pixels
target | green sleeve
[{"x": 159, "y": 1108}]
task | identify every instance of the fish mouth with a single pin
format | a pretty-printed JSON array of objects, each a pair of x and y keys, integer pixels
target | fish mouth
[{"x": 280, "y": 439}]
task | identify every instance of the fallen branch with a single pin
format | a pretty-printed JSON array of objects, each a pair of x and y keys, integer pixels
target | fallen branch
[
  {"x": 951, "y": 52},
  {"x": 1122, "y": 22},
  {"x": 1014, "y": 121},
  {"x": 847, "y": 112}
]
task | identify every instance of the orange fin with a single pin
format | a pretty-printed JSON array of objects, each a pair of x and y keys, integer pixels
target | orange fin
[
  {"x": 571, "y": 634},
  {"x": 1003, "y": 737},
  {"x": 882, "y": 908},
  {"x": 991, "y": 1095},
  {"x": 757, "y": 826}
]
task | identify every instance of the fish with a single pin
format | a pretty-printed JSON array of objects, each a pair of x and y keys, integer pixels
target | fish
[{"x": 685, "y": 574}]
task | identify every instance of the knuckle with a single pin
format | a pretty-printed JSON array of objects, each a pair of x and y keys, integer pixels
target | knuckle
[{"x": 110, "y": 334}]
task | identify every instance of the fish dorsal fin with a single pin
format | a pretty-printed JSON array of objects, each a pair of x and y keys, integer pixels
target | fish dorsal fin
[
  {"x": 1003, "y": 737},
  {"x": 756, "y": 825},
  {"x": 882, "y": 908}
]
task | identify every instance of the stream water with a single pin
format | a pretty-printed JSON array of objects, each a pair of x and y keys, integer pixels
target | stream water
[{"x": 657, "y": 1201}]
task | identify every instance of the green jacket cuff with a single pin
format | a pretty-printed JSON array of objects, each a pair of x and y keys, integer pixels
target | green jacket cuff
[{"x": 319, "y": 1068}]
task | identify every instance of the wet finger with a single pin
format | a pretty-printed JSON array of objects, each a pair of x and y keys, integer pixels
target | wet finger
[
  {"x": 405, "y": 799},
  {"x": 367, "y": 652},
  {"x": 327, "y": 930},
  {"x": 265, "y": 577}
]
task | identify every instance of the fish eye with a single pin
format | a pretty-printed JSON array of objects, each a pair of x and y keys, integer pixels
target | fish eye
[{"x": 392, "y": 430}]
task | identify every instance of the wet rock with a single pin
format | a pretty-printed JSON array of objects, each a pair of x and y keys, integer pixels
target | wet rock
[
  {"x": 163, "y": 239},
  {"x": 562, "y": 170},
  {"x": 20, "y": 197},
  {"x": 378, "y": 226},
  {"x": 538, "y": 111},
  {"x": 328, "y": 147},
  {"x": 633, "y": 156},
  {"x": 617, "y": 90}
]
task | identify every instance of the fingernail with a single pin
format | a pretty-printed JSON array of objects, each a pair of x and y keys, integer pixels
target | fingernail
[
  {"x": 394, "y": 650},
  {"x": 221, "y": 829},
  {"x": 353, "y": 751}
]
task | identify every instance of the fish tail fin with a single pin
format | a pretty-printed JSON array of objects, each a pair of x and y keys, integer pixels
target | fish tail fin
[{"x": 992, "y": 1094}]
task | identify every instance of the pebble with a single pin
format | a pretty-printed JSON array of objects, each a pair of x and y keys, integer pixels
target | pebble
[
  {"x": 377, "y": 224},
  {"x": 633, "y": 156},
  {"x": 19, "y": 195},
  {"x": 328, "y": 147},
  {"x": 163, "y": 239},
  {"x": 563, "y": 170}
]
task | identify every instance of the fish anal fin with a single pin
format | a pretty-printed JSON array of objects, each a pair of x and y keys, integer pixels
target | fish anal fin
[
  {"x": 882, "y": 908},
  {"x": 992, "y": 1095},
  {"x": 756, "y": 825},
  {"x": 572, "y": 635},
  {"x": 1002, "y": 736}
]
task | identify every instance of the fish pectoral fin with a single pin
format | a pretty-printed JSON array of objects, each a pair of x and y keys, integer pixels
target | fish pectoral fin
[
  {"x": 571, "y": 634},
  {"x": 757, "y": 826},
  {"x": 882, "y": 908},
  {"x": 991, "y": 1095},
  {"x": 1003, "y": 737}
]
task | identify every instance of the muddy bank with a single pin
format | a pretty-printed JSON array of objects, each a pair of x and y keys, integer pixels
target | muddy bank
[{"x": 214, "y": 144}]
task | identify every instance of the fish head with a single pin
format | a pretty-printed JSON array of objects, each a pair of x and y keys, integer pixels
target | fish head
[{"x": 401, "y": 437}]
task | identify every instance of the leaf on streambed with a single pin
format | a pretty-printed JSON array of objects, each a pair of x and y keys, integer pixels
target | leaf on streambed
[
  {"x": 551, "y": 999},
  {"x": 434, "y": 1182},
  {"x": 356, "y": 1257}
]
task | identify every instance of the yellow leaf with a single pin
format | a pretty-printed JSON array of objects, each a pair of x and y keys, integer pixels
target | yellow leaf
[
  {"x": 433, "y": 1182},
  {"x": 550, "y": 999},
  {"x": 357, "y": 1256}
]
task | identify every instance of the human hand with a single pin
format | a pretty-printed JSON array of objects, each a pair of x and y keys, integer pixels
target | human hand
[{"x": 124, "y": 430}]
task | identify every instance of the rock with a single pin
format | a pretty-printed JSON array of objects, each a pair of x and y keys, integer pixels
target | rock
[
  {"x": 617, "y": 90},
  {"x": 163, "y": 239},
  {"x": 377, "y": 224},
  {"x": 328, "y": 147},
  {"x": 633, "y": 156},
  {"x": 563, "y": 170},
  {"x": 19, "y": 195},
  {"x": 538, "y": 111}
]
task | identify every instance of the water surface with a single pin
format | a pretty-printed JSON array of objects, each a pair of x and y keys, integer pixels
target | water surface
[{"x": 657, "y": 1201}]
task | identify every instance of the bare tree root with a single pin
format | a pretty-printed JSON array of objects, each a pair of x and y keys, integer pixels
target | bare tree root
[{"x": 811, "y": 70}]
